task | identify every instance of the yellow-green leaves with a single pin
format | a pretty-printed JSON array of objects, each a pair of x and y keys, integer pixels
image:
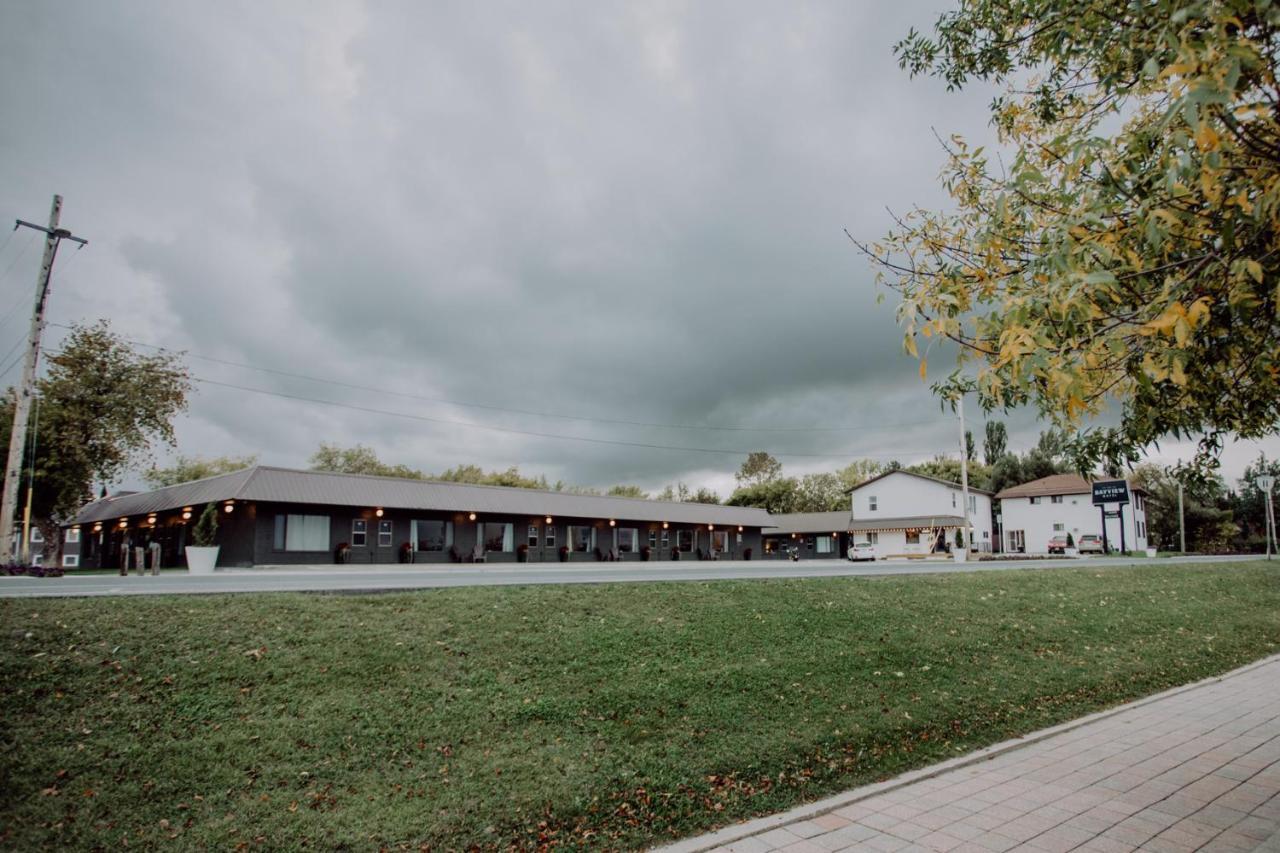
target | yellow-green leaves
[{"x": 1130, "y": 251}]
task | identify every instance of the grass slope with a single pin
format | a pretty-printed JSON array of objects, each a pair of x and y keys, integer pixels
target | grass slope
[{"x": 617, "y": 715}]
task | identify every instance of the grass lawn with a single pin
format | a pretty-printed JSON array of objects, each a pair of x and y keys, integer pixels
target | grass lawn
[{"x": 613, "y": 716}]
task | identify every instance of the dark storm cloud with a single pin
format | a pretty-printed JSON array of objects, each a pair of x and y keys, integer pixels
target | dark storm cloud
[{"x": 622, "y": 211}]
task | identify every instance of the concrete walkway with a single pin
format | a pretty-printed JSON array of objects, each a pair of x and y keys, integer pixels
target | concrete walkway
[{"x": 1195, "y": 768}]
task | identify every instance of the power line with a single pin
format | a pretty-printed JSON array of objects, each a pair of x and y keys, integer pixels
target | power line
[
  {"x": 18, "y": 257},
  {"x": 513, "y": 431},
  {"x": 404, "y": 395}
]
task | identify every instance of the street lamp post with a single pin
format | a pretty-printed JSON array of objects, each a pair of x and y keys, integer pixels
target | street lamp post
[{"x": 1266, "y": 482}]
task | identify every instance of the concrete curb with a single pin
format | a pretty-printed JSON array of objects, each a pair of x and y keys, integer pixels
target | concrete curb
[{"x": 739, "y": 831}]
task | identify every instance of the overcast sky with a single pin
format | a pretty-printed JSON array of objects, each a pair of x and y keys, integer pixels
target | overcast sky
[{"x": 629, "y": 214}]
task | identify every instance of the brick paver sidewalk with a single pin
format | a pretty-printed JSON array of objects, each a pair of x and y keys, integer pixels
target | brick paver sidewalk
[{"x": 1194, "y": 769}]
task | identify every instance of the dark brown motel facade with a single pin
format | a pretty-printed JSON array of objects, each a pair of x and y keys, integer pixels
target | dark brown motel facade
[{"x": 279, "y": 516}]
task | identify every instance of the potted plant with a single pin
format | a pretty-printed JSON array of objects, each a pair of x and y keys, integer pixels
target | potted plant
[
  {"x": 675, "y": 553},
  {"x": 406, "y": 552},
  {"x": 202, "y": 556},
  {"x": 522, "y": 553},
  {"x": 746, "y": 555},
  {"x": 645, "y": 553},
  {"x": 342, "y": 554},
  {"x": 961, "y": 553},
  {"x": 1071, "y": 550},
  {"x": 564, "y": 553}
]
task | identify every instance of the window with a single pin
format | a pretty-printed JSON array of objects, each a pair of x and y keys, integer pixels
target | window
[
  {"x": 551, "y": 536},
  {"x": 953, "y": 500},
  {"x": 628, "y": 540},
  {"x": 1035, "y": 500},
  {"x": 719, "y": 541},
  {"x": 301, "y": 533},
  {"x": 533, "y": 536},
  {"x": 653, "y": 539},
  {"x": 37, "y": 536},
  {"x": 808, "y": 543},
  {"x": 582, "y": 538},
  {"x": 431, "y": 535},
  {"x": 359, "y": 528},
  {"x": 498, "y": 536},
  {"x": 973, "y": 504},
  {"x": 73, "y": 536},
  {"x": 824, "y": 545},
  {"x": 70, "y": 561},
  {"x": 1058, "y": 527},
  {"x": 666, "y": 538},
  {"x": 771, "y": 546},
  {"x": 913, "y": 536},
  {"x": 1055, "y": 499},
  {"x": 684, "y": 540},
  {"x": 871, "y": 503},
  {"x": 385, "y": 529},
  {"x": 873, "y": 538}
]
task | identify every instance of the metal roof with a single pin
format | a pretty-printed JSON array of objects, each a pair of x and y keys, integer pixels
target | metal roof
[
  {"x": 881, "y": 476},
  {"x": 810, "y": 522},
  {"x": 837, "y": 522},
  {"x": 286, "y": 485}
]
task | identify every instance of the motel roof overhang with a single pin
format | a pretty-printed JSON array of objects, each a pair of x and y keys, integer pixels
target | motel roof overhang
[
  {"x": 264, "y": 484},
  {"x": 842, "y": 522}
]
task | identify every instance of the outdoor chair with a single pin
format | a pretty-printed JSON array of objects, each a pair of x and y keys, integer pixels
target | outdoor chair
[{"x": 477, "y": 554}]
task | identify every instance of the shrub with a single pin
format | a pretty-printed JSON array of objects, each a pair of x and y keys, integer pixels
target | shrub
[
  {"x": 959, "y": 538},
  {"x": 746, "y": 555},
  {"x": 645, "y": 553},
  {"x": 1071, "y": 540},
  {"x": 522, "y": 553},
  {"x": 406, "y": 552},
  {"x": 564, "y": 553},
  {"x": 205, "y": 533}
]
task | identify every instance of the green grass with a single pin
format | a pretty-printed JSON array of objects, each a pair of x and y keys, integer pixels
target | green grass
[{"x": 610, "y": 716}]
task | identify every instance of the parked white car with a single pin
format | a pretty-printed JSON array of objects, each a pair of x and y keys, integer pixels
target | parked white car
[{"x": 862, "y": 551}]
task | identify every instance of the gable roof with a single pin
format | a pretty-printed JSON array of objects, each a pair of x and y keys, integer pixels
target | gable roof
[
  {"x": 1058, "y": 484},
  {"x": 287, "y": 485},
  {"x": 866, "y": 483}
]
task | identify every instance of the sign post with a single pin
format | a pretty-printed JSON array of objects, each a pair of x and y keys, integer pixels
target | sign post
[
  {"x": 1265, "y": 482},
  {"x": 1107, "y": 492}
]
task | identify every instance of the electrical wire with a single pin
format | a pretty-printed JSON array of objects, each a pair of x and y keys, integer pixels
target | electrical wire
[
  {"x": 506, "y": 409},
  {"x": 513, "y": 431}
]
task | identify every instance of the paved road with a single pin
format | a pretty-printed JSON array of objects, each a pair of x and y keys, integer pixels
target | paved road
[
  {"x": 380, "y": 578},
  {"x": 1195, "y": 768}
]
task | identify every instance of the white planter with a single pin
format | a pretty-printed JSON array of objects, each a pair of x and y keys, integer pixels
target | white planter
[
  {"x": 1151, "y": 552},
  {"x": 961, "y": 554},
  {"x": 201, "y": 561}
]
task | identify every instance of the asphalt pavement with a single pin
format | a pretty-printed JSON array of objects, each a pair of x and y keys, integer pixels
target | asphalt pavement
[{"x": 346, "y": 579}]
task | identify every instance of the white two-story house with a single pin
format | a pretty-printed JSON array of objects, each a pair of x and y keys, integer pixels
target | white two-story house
[
  {"x": 1033, "y": 513},
  {"x": 900, "y": 513}
]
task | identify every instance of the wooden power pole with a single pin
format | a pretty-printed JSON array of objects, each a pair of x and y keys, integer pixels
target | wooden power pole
[{"x": 22, "y": 408}]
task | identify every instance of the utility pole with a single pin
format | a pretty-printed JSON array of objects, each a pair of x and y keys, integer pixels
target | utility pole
[
  {"x": 22, "y": 408},
  {"x": 1182, "y": 525},
  {"x": 964, "y": 474}
]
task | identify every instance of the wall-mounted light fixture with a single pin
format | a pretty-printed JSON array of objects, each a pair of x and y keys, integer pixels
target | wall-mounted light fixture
[
  {"x": 378, "y": 512},
  {"x": 97, "y": 528},
  {"x": 711, "y": 527},
  {"x": 229, "y": 506},
  {"x": 612, "y": 522},
  {"x": 739, "y": 528},
  {"x": 151, "y": 519},
  {"x": 124, "y": 522},
  {"x": 548, "y": 519},
  {"x": 186, "y": 513},
  {"x": 471, "y": 516},
  {"x": 665, "y": 525}
]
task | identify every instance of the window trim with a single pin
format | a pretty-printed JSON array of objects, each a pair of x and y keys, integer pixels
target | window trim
[
  {"x": 389, "y": 532},
  {"x": 359, "y": 532}
]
